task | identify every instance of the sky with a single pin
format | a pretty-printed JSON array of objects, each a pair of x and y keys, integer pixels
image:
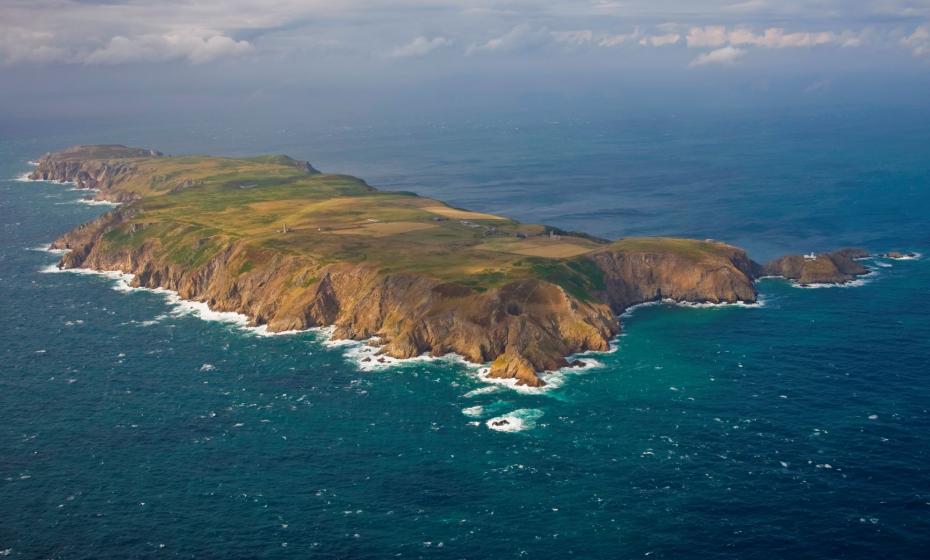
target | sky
[{"x": 358, "y": 58}]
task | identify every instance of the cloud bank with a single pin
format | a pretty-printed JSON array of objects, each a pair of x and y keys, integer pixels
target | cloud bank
[
  {"x": 723, "y": 55},
  {"x": 421, "y": 46},
  {"x": 113, "y": 32},
  {"x": 196, "y": 49}
]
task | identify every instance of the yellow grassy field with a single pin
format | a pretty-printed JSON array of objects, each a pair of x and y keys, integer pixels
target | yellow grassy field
[
  {"x": 456, "y": 214},
  {"x": 278, "y": 206},
  {"x": 539, "y": 247},
  {"x": 554, "y": 250},
  {"x": 384, "y": 229}
]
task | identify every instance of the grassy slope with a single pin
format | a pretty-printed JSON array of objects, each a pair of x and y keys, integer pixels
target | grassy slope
[{"x": 197, "y": 204}]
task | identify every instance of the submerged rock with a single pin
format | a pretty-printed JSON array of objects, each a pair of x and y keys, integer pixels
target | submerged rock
[{"x": 898, "y": 255}]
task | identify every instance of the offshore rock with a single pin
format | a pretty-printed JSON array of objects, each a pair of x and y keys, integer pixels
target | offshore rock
[{"x": 838, "y": 267}]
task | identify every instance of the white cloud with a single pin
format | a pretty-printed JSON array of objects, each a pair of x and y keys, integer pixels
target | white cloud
[
  {"x": 589, "y": 37},
  {"x": 776, "y": 38},
  {"x": 25, "y": 46},
  {"x": 918, "y": 41},
  {"x": 723, "y": 55},
  {"x": 191, "y": 46},
  {"x": 717, "y": 36},
  {"x": 420, "y": 46},
  {"x": 708, "y": 36},
  {"x": 660, "y": 40},
  {"x": 576, "y": 38},
  {"x": 605, "y": 40},
  {"x": 200, "y": 31},
  {"x": 521, "y": 37},
  {"x": 747, "y": 6},
  {"x": 619, "y": 39},
  {"x": 771, "y": 38}
]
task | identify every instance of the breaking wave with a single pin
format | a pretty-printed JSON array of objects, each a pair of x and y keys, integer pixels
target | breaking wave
[{"x": 519, "y": 420}]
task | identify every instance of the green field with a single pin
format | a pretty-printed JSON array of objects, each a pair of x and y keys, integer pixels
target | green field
[{"x": 197, "y": 204}]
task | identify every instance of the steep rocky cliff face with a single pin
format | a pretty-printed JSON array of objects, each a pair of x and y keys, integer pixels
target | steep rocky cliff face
[
  {"x": 838, "y": 267},
  {"x": 724, "y": 275},
  {"x": 116, "y": 165}
]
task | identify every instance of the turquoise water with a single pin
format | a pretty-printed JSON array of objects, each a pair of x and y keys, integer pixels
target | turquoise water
[{"x": 130, "y": 428}]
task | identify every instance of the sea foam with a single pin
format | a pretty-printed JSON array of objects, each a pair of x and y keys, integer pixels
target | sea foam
[
  {"x": 93, "y": 202},
  {"x": 487, "y": 389},
  {"x": 519, "y": 420},
  {"x": 858, "y": 282},
  {"x": 480, "y": 411},
  {"x": 180, "y": 307},
  {"x": 554, "y": 379},
  {"x": 24, "y": 178},
  {"x": 47, "y": 248},
  {"x": 356, "y": 351},
  {"x": 759, "y": 303},
  {"x": 367, "y": 357}
]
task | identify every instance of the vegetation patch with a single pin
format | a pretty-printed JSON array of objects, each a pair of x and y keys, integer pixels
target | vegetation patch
[{"x": 577, "y": 278}]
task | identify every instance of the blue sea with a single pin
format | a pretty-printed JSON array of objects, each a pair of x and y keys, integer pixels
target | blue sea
[{"x": 130, "y": 427}]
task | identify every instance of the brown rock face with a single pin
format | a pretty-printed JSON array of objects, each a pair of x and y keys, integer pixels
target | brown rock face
[
  {"x": 79, "y": 165},
  {"x": 721, "y": 276},
  {"x": 838, "y": 267}
]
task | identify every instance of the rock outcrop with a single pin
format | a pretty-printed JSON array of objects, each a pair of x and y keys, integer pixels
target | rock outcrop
[
  {"x": 723, "y": 275},
  {"x": 899, "y": 255},
  {"x": 838, "y": 267},
  {"x": 93, "y": 167}
]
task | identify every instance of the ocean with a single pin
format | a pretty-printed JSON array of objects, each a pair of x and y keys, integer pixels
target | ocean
[{"x": 131, "y": 427}]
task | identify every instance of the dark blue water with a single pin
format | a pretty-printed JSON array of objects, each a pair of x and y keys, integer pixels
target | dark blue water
[{"x": 129, "y": 428}]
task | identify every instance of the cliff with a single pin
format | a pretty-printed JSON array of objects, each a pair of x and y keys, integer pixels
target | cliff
[
  {"x": 93, "y": 167},
  {"x": 292, "y": 248}
]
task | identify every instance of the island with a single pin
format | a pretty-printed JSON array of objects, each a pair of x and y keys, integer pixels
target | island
[
  {"x": 293, "y": 248},
  {"x": 838, "y": 267}
]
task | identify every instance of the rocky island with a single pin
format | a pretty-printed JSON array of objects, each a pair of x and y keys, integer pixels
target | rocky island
[
  {"x": 837, "y": 267},
  {"x": 293, "y": 248}
]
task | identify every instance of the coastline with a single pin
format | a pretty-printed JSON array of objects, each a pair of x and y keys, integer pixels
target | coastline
[
  {"x": 529, "y": 330},
  {"x": 358, "y": 351}
]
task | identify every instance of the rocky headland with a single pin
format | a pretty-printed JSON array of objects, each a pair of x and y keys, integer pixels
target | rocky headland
[{"x": 293, "y": 248}]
